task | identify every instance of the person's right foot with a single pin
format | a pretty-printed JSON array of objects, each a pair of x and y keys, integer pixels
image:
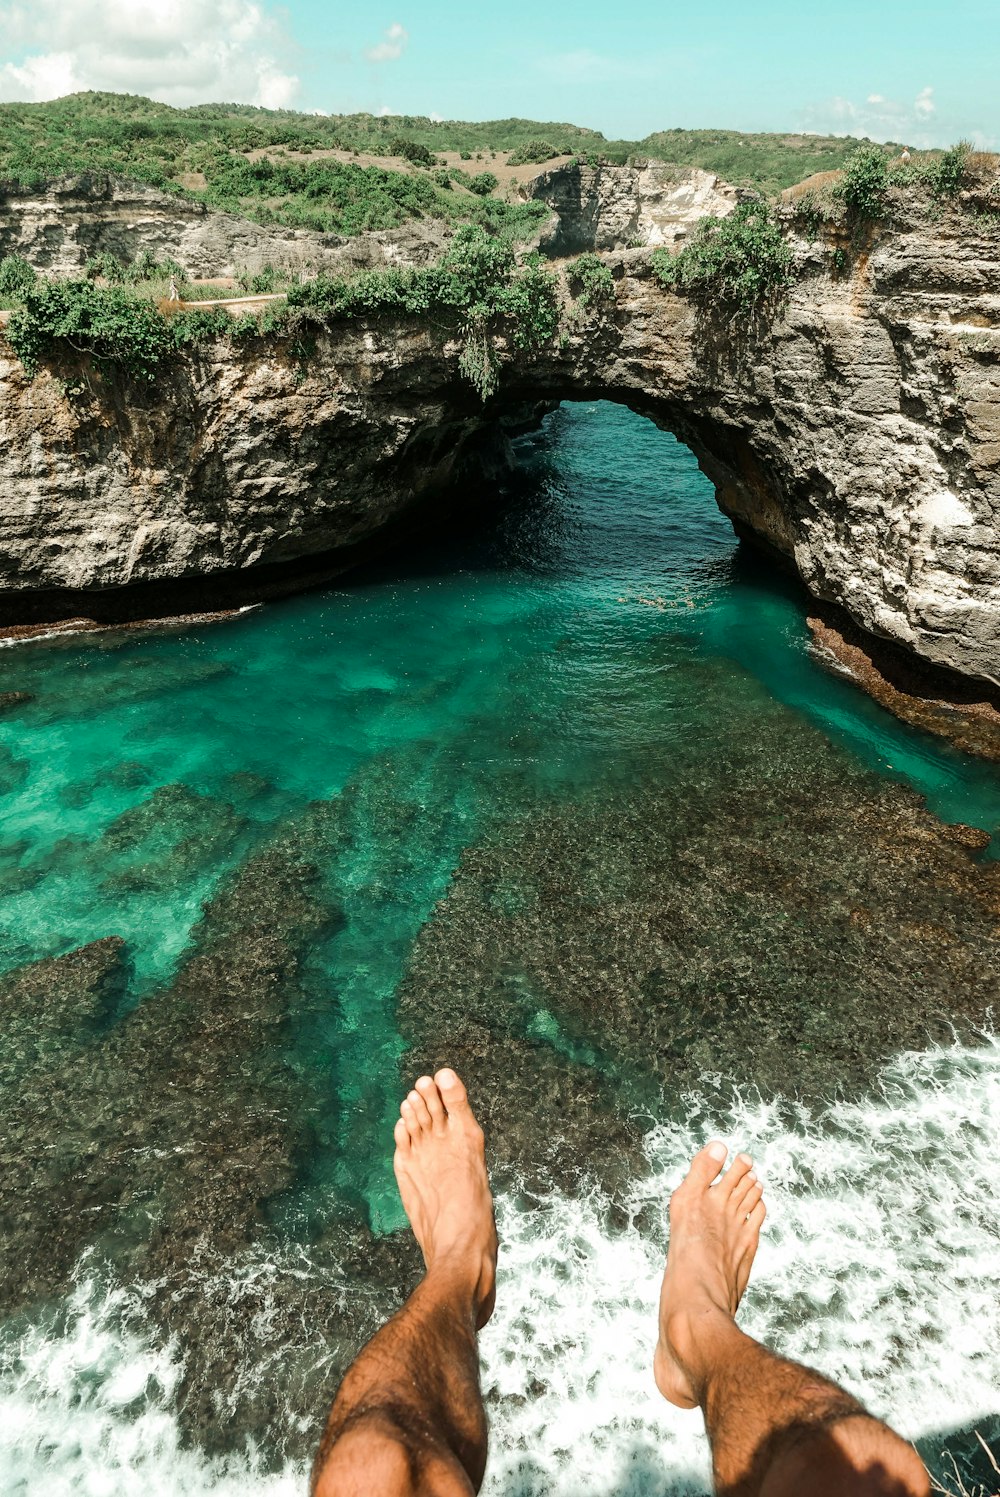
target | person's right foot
[
  {"x": 440, "y": 1169},
  {"x": 714, "y": 1232}
]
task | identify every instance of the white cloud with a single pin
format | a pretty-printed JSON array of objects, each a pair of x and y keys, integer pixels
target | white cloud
[
  {"x": 394, "y": 40},
  {"x": 879, "y": 117},
  {"x": 178, "y": 51},
  {"x": 923, "y": 104}
]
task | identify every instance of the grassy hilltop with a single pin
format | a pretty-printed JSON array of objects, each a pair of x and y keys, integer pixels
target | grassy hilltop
[{"x": 347, "y": 173}]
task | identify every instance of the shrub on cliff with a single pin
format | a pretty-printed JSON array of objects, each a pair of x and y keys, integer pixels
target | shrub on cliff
[
  {"x": 865, "y": 185},
  {"x": 483, "y": 184},
  {"x": 590, "y": 280},
  {"x": 16, "y": 278},
  {"x": 950, "y": 170},
  {"x": 735, "y": 265},
  {"x": 138, "y": 272},
  {"x": 107, "y": 322},
  {"x": 477, "y": 287}
]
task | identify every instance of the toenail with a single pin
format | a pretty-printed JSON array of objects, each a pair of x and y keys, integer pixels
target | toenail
[
  {"x": 751, "y": 1177},
  {"x": 717, "y": 1151},
  {"x": 745, "y": 1158}
]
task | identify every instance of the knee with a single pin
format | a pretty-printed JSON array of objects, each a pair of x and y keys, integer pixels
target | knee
[
  {"x": 372, "y": 1457},
  {"x": 363, "y": 1460},
  {"x": 855, "y": 1456}
]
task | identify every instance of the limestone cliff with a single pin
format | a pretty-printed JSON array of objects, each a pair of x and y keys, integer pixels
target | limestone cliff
[
  {"x": 858, "y": 435},
  {"x": 615, "y": 207},
  {"x": 58, "y": 227}
]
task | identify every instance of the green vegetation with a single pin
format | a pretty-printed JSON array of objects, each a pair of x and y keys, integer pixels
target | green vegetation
[
  {"x": 16, "y": 278},
  {"x": 477, "y": 291},
  {"x": 533, "y": 153},
  {"x": 865, "y": 185},
  {"x": 951, "y": 170},
  {"x": 235, "y": 159},
  {"x": 769, "y": 163},
  {"x": 590, "y": 281},
  {"x": 108, "y": 322},
  {"x": 335, "y": 197},
  {"x": 211, "y": 152},
  {"x": 264, "y": 282},
  {"x": 477, "y": 288},
  {"x": 809, "y": 215},
  {"x": 736, "y": 265},
  {"x": 140, "y": 271},
  {"x": 410, "y": 150}
]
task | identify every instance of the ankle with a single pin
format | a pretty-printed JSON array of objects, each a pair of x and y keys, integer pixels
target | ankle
[
  {"x": 460, "y": 1280},
  {"x": 702, "y": 1340}
]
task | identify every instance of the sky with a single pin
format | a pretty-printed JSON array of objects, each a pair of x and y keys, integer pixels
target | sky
[{"x": 918, "y": 73}]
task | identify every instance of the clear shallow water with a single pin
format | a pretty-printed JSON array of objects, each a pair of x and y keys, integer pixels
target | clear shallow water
[{"x": 583, "y": 647}]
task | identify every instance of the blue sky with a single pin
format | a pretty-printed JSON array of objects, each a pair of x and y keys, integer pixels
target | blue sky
[{"x": 919, "y": 73}]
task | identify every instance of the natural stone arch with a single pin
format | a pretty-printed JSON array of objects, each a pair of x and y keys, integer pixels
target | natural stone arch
[{"x": 858, "y": 436}]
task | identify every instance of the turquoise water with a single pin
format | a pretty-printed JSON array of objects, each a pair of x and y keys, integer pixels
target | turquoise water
[
  {"x": 598, "y": 652},
  {"x": 517, "y": 652}
]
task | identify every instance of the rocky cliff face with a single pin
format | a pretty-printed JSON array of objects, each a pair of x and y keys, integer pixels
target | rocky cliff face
[
  {"x": 59, "y": 227},
  {"x": 616, "y": 207},
  {"x": 858, "y": 435}
]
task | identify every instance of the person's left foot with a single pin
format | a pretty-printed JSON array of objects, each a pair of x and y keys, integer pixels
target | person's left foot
[{"x": 440, "y": 1167}]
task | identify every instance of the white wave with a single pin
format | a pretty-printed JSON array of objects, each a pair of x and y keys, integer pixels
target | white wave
[{"x": 880, "y": 1265}]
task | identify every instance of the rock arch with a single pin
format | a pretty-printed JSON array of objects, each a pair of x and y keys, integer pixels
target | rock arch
[{"x": 858, "y": 438}]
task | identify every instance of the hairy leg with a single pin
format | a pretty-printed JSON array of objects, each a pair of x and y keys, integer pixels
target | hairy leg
[
  {"x": 776, "y": 1429},
  {"x": 408, "y": 1420}
]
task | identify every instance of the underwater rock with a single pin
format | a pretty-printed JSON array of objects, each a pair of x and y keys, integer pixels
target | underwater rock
[
  {"x": 166, "y": 1134},
  {"x": 11, "y": 699},
  {"x": 732, "y": 919}
]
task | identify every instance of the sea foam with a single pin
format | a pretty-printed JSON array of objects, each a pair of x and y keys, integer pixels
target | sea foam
[{"x": 879, "y": 1265}]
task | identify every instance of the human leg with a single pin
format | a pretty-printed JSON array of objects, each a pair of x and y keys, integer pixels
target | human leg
[
  {"x": 776, "y": 1429},
  {"x": 408, "y": 1419}
]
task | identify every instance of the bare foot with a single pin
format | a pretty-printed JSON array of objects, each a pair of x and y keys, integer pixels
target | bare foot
[
  {"x": 440, "y": 1169},
  {"x": 714, "y": 1232}
]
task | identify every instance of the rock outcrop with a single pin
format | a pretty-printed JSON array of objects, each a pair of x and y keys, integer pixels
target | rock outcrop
[
  {"x": 60, "y": 226},
  {"x": 616, "y": 207},
  {"x": 857, "y": 435}
]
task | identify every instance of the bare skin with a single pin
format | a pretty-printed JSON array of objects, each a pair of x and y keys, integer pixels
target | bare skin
[
  {"x": 440, "y": 1168},
  {"x": 408, "y": 1420},
  {"x": 776, "y": 1429}
]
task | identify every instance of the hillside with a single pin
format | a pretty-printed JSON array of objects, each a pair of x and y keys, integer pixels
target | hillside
[{"x": 348, "y": 173}]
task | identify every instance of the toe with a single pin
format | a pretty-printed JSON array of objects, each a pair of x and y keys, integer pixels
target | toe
[
  {"x": 743, "y": 1190},
  {"x": 410, "y": 1119},
  {"x": 749, "y": 1202},
  {"x": 432, "y": 1099},
  {"x": 452, "y": 1091},
  {"x": 402, "y": 1136},
  {"x": 755, "y": 1219},
  {"x": 706, "y": 1164},
  {"x": 734, "y": 1178},
  {"x": 420, "y": 1110}
]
